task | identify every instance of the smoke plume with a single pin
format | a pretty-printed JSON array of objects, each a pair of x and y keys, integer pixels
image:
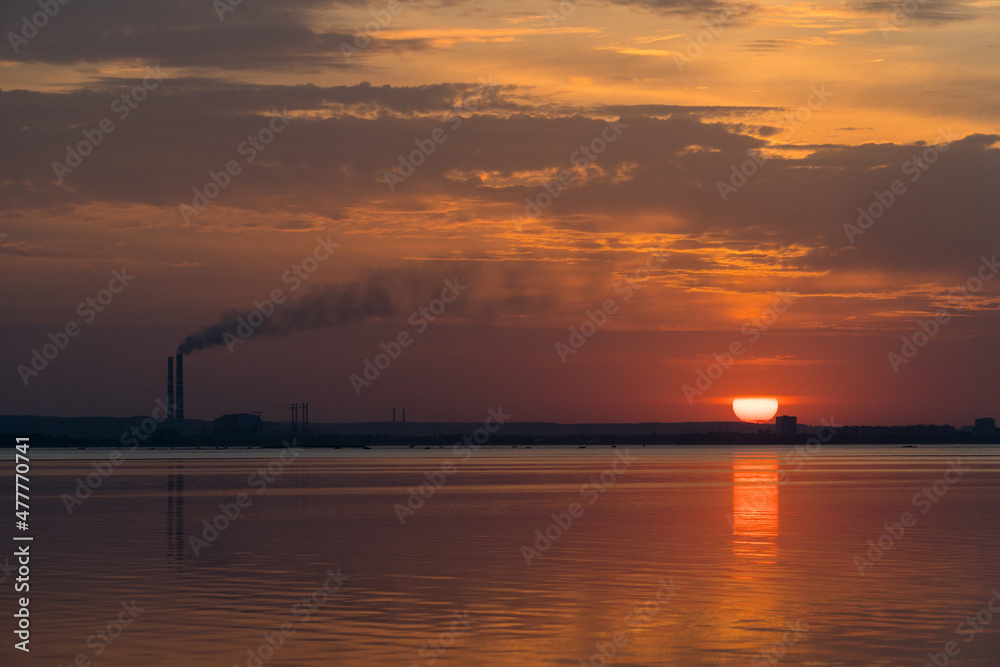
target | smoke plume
[
  {"x": 331, "y": 305},
  {"x": 498, "y": 291}
]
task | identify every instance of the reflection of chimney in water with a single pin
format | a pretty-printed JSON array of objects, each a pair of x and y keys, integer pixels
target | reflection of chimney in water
[
  {"x": 170, "y": 387},
  {"x": 179, "y": 397},
  {"x": 175, "y": 514}
]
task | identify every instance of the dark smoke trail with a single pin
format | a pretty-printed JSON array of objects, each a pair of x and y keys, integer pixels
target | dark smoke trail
[
  {"x": 333, "y": 305},
  {"x": 394, "y": 293}
]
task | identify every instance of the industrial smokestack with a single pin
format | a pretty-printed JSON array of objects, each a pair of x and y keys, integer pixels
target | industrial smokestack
[
  {"x": 170, "y": 387},
  {"x": 179, "y": 397}
]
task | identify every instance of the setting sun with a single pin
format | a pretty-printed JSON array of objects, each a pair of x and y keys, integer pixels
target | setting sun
[
  {"x": 756, "y": 409},
  {"x": 493, "y": 272}
]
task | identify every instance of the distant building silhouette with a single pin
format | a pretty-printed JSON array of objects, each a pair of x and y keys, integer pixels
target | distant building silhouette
[
  {"x": 786, "y": 425},
  {"x": 237, "y": 424},
  {"x": 985, "y": 428}
]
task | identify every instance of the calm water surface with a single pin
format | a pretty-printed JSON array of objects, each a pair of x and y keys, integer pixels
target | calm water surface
[{"x": 684, "y": 556}]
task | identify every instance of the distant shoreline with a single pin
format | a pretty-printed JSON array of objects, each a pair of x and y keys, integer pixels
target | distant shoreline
[
  {"x": 146, "y": 433},
  {"x": 54, "y": 454}
]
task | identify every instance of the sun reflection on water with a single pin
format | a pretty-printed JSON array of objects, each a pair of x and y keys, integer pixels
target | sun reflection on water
[{"x": 755, "y": 507}]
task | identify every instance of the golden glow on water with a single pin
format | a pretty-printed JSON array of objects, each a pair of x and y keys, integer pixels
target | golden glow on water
[
  {"x": 755, "y": 507},
  {"x": 704, "y": 518}
]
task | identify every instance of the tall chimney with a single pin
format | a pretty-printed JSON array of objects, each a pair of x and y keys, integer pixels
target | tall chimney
[
  {"x": 394, "y": 415},
  {"x": 170, "y": 387},
  {"x": 404, "y": 415},
  {"x": 179, "y": 397}
]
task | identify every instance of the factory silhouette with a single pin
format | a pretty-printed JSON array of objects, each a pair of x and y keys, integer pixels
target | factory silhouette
[
  {"x": 175, "y": 398},
  {"x": 249, "y": 429}
]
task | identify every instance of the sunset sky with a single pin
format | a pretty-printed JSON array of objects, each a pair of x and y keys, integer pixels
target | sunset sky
[{"x": 823, "y": 104}]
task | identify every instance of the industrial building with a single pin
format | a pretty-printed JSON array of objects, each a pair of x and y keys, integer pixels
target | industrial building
[
  {"x": 175, "y": 391},
  {"x": 985, "y": 428},
  {"x": 786, "y": 425}
]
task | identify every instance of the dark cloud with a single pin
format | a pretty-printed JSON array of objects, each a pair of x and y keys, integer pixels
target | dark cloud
[
  {"x": 717, "y": 8},
  {"x": 661, "y": 175},
  {"x": 767, "y": 45},
  {"x": 274, "y": 35},
  {"x": 187, "y": 33},
  {"x": 167, "y": 145},
  {"x": 675, "y": 109},
  {"x": 930, "y": 11}
]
